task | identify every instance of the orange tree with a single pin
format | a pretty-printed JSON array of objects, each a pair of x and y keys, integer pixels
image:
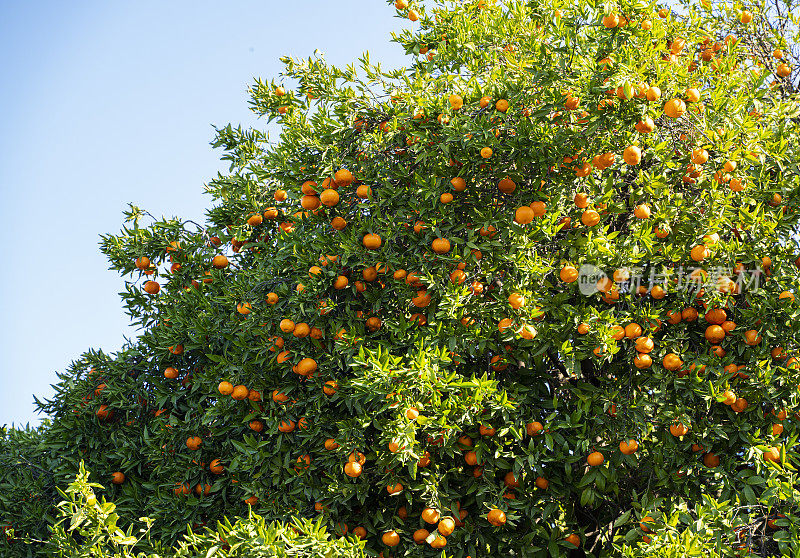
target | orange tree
[{"x": 531, "y": 295}]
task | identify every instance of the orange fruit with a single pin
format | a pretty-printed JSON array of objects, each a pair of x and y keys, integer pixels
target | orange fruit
[
  {"x": 678, "y": 429},
  {"x": 590, "y": 218},
  {"x": 446, "y": 526},
  {"x": 420, "y": 535},
  {"x": 533, "y": 428},
  {"x": 352, "y": 469},
  {"x": 524, "y": 215},
  {"x": 644, "y": 344},
  {"x": 151, "y": 287},
  {"x": 430, "y": 515},
  {"x": 710, "y": 460},
  {"x": 642, "y": 361},
  {"x": 496, "y": 517},
  {"x": 699, "y": 252},
  {"x": 751, "y": 337},
  {"x": 330, "y": 387},
  {"x": 193, "y": 442},
  {"x": 372, "y": 241},
  {"x": 595, "y": 458},
  {"x": 506, "y": 185},
  {"x": 772, "y": 454},
  {"x": 568, "y": 274},
  {"x": 632, "y": 155},
  {"x": 286, "y": 426},
  {"x": 714, "y": 334},
  {"x": 240, "y": 392},
  {"x": 225, "y": 388},
  {"x": 740, "y": 405},
  {"x": 633, "y": 330},
  {"x": 516, "y": 300},
  {"x": 672, "y": 362},
  {"x": 674, "y": 108},
  {"x": 390, "y": 538},
  {"x": 441, "y": 245},
  {"x": 628, "y": 447}
]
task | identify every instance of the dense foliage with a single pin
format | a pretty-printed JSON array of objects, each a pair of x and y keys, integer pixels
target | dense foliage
[
  {"x": 531, "y": 295},
  {"x": 93, "y": 532}
]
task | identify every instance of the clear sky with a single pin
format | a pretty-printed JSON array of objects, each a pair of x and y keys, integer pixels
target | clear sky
[{"x": 104, "y": 103}]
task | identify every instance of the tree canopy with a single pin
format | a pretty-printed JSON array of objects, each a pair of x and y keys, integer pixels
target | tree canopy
[{"x": 531, "y": 295}]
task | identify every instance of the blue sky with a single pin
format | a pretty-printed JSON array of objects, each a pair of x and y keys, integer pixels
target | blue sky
[{"x": 105, "y": 103}]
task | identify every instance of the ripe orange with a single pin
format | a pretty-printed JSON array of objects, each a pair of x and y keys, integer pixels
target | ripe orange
[
  {"x": 390, "y": 538},
  {"x": 256, "y": 425},
  {"x": 240, "y": 392},
  {"x": 714, "y": 334},
  {"x": 642, "y": 361},
  {"x": 446, "y": 526},
  {"x": 533, "y": 428},
  {"x": 516, "y": 300},
  {"x": 595, "y": 458},
  {"x": 539, "y": 208},
  {"x": 441, "y": 245},
  {"x": 653, "y": 93},
  {"x": 430, "y": 515},
  {"x": 496, "y": 517},
  {"x": 642, "y": 211},
  {"x": 590, "y": 218},
  {"x": 632, "y": 155},
  {"x": 740, "y": 405},
  {"x": 506, "y": 185},
  {"x": 645, "y": 126},
  {"x": 751, "y": 337},
  {"x": 372, "y": 241},
  {"x": 193, "y": 442},
  {"x": 456, "y": 101},
  {"x": 118, "y": 477},
  {"x": 330, "y": 387},
  {"x": 629, "y": 447},
  {"x": 286, "y": 426},
  {"x": 710, "y": 460},
  {"x": 674, "y": 108},
  {"x": 773, "y": 454},
  {"x": 352, "y": 469},
  {"x": 644, "y": 345},
  {"x": 524, "y": 215},
  {"x": 672, "y": 362},
  {"x": 678, "y": 429},
  {"x": 151, "y": 287},
  {"x": 420, "y": 535},
  {"x": 610, "y": 20},
  {"x": 699, "y": 252},
  {"x": 225, "y": 388},
  {"x": 458, "y": 184},
  {"x": 568, "y": 274}
]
